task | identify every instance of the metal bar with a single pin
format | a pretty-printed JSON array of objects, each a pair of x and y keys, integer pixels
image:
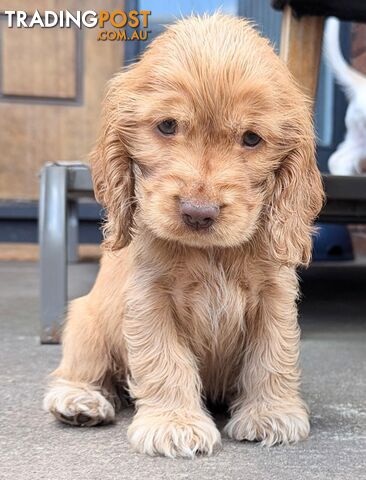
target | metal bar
[
  {"x": 341, "y": 187},
  {"x": 53, "y": 250}
]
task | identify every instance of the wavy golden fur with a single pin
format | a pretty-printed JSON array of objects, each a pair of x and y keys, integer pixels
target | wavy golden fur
[{"x": 181, "y": 315}]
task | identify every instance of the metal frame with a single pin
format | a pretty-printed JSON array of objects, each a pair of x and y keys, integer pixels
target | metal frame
[
  {"x": 62, "y": 184},
  {"x": 346, "y": 199}
]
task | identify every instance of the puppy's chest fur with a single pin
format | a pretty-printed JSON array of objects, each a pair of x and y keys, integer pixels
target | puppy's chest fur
[{"x": 210, "y": 300}]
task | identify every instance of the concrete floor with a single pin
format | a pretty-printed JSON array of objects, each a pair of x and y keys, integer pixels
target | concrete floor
[{"x": 34, "y": 446}]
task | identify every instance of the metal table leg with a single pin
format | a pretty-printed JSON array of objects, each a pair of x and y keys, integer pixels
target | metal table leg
[{"x": 53, "y": 233}]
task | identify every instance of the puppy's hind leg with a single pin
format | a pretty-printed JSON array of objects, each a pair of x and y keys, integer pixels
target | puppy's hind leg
[{"x": 82, "y": 392}]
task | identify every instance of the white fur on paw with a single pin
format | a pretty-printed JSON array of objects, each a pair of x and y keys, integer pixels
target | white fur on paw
[
  {"x": 281, "y": 424},
  {"x": 78, "y": 404},
  {"x": 173, "y": 435}
]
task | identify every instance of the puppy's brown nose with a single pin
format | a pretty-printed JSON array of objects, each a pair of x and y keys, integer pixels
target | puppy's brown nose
[{"x": 198, "y": 215}]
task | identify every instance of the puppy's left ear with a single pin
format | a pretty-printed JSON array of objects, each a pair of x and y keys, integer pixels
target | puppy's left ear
[{"x": 297, "y": 196}]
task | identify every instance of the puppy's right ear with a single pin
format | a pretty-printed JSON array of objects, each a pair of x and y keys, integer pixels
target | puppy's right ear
[{"x": 112, "y": 168}]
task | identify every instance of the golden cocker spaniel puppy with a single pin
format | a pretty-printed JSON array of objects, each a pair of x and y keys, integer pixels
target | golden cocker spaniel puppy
[{"x": 206, "y": 166}]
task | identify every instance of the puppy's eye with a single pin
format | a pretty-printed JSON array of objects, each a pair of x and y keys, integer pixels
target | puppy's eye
[
  {"x": 250, "y": 139},
  {"x": 168, "y": 127}
]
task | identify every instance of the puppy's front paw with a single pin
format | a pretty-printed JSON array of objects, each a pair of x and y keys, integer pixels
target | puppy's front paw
[
  {"x": 270, "y": 424},
  {"x": 78, "y": 404},
  {"x": 173, "y": 434}
]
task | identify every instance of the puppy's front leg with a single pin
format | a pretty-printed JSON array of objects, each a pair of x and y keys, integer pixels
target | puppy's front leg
[
  {"x": 270, "y": 408},
  {"x": 170, "y": 418},
  {"x": 81, "y": 392}
]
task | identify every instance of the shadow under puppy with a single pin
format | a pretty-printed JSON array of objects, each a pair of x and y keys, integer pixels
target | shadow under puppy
[{"x": 206, "y": 165}]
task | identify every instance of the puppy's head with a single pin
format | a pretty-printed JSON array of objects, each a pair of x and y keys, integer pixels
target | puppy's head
[{"x": 207, "y": 141}]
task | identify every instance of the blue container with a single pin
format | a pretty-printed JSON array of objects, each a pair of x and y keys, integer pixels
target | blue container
[{"x": 332, "y": 242}]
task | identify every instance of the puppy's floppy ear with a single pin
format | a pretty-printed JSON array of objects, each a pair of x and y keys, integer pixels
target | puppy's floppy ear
[
  {"x": 297, "y": 196},
  {"x": 112, "y": 168}
]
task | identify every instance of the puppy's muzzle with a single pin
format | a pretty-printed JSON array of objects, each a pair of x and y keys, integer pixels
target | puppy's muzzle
[{"x": 198, "y": 215}]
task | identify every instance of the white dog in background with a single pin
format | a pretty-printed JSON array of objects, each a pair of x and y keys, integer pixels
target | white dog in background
[{"x": 350, "y": 156}]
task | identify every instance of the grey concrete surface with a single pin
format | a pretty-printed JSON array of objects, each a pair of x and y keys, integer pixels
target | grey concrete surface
[{"x": 34, "y": 446}]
